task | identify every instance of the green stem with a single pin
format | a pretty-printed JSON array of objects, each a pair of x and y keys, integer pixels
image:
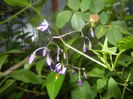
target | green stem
[
  {"x": 83, "y": 54},
  {"x": 36, "y": 11},
  {"x": 125, "y": 84},
  {"x": 10, "y": 18},
  {"x": 116, "y": 59},
  {"x": 124, "y": 89},
  {"x": 123, "y": 2}
]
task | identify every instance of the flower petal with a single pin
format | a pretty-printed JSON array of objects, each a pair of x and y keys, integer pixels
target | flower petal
[
  {"x": 80, "y": 82},
  {"x": 63, "y": 70},
  {"x": 44, "y": 52},
  {"x": 31, "y": 58},
  {"x": 85, "y": 75},
  {"x": 43, "y": 26},
  {"x": 84, "y": 48},
  {"x": 92, "y": 33},
  {"x": 48, "y": 60}
]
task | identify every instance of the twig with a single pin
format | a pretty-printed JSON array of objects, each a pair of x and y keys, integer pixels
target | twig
[
  {"x": 61, "y": 36},
  {"x": 11, "y": 69},
  {"x": 83, "y": 54}
]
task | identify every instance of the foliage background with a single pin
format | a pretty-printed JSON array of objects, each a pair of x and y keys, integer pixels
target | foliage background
[{"x": 111, "y": 46}]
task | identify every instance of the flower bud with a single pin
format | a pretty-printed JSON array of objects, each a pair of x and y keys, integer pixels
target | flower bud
[{"x": 94, "y": 18}]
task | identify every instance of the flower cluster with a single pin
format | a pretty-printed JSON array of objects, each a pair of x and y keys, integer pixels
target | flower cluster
[
  {"x": 58, "y": 68},
  {"x": 79, "y": 74},
  {"x": 93, "y": 19}
]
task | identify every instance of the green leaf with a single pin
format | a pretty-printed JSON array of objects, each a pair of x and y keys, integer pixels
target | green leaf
[
  {"x": 82, "y": 92},
  {"x": 62, "y": 18},
  {"x": 128, "y": 17},
  {"x": 104, "y": 17},
  {"x": 109, "y": 1},
  {"x": 77, "y": 21},
  {"x": 96, "y": 72},
  {"x": 85, "y": 5},
  {"x": 113, "y": 89},
  {"x": 74, "y": 4},
  {"x": 97, "y": 6},
  {"x": 36, "y": 20},
  {"x": 39, "y": 66},
  {"x": 53, "y": 85},
  {"x": 105, "y": 45},
  {"x": 26, "y": 76},
  {"x": 124, "y": 30},
  {"x": 125, "y": 60},
  {"x": 100, "y": 31},
  {"x": 14, "y": 51},
  {"x": 114, "y": 34},
  {"x": 21, "y": 3},
  {"x": 38, "y": 5},
  {"x": 85, "y": 16},
  {"x": 119, "y": 23},
  {"x": 2, "y": 60},
  {"x": 125, "y": 43},
  {"x": 7, "y": 84},
  {"x": 101, "y": 83},
  {"x": 132, "y": 54}
]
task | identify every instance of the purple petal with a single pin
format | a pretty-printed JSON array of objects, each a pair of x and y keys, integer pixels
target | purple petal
[
  {"x": 63, "y": 70},
  {"x": 85, "y": 75},
  {"x": 31, "y": 59},
  {"x": 43, "y": 26},
  {"x": 52, "y": 67},
  {"x": 73, "y": 71},
  {"x": 92, "y": 32},
  {"x": 57, "y": 67},
  {"x": 58, "y": 51},
  {"x": 48, "y": 60},
  {"x": 44, "y": 52},
  {"x": 80, "y": 82},
  {"x": 84, "y": 48},
  {"x": 60, "y": 69}
]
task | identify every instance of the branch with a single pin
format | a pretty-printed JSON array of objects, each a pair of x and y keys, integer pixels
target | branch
[
  {"x": 85, "y": 55},
  {"x": 10, "y": 18},
  {"x": 11, "y": 69}
]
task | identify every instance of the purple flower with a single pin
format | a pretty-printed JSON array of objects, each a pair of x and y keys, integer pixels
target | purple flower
[
  {"x": 52, "y": 67},
  {"x": 92, "y": 32},
  {"x": 84, "y": 48},
  {"x": 44, "y": 52},
  {"x": 60, "y": 69},
  {"x": 85, "y": 75},
  {"x": 48, "y": 60},
  {"x": 73, "y": 71},
  {"x": 43, "y": 26},
  {"x": 58, "y": 50},
  {"x": 80, "y": 82},
  {"x": 31, "y": 58}
]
